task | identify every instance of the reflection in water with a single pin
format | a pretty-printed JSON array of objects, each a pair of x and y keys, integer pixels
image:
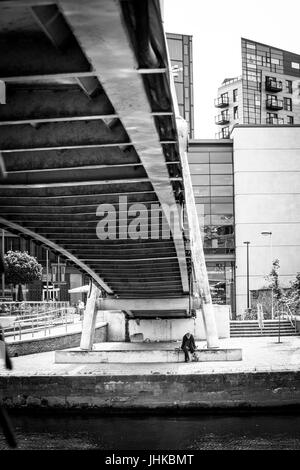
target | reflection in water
[{"x": 159, "y": 432}]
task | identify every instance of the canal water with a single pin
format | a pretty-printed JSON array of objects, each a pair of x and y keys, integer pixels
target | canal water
[{"x": 200, "y": 432}]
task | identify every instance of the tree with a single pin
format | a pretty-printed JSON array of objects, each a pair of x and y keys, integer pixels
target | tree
[
  {"x": 274, "y": 283},
  {"x": 21, "y": 268},
  {"x": 294, "y": 293}
]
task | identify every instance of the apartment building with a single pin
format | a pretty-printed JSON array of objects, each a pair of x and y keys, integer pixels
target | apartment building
[{"x": 267, "y": 92}]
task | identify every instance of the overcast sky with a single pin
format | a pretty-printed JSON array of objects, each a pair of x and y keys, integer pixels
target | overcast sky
[{"x": 217, "y": 27}]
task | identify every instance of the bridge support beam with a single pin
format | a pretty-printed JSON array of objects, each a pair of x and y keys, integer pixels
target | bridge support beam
[
  {"x": 89, "y": 319},
  {"x": 182, "y": 303}
]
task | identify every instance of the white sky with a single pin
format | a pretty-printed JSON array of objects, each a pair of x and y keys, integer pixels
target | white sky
[{"x": 217, "y": 27}]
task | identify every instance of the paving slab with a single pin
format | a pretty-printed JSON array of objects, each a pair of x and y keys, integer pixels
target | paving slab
[{"x": 259, "y": 355}]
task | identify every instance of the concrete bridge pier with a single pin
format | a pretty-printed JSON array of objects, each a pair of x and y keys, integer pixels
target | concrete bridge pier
[
  {"x": 89, "y": 319},
  {"x": 209, "y": 321}
]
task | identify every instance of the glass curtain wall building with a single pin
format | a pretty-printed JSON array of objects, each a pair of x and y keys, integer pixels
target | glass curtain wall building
[
  {"x": 268, "y": 92},
  {"x": 181, "y": 55},
  {"x": 211, "y": 167},
  {"x": 271, "y": 79}
]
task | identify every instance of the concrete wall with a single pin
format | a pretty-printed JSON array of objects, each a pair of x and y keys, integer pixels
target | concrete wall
[
  {"x": 150, "y": 392},
  {"x": 116, "y": 324},
  {"x": 52, "y": 343},
  {"x": 267, "y": 198},
  {"x": 163, "y": 329}
]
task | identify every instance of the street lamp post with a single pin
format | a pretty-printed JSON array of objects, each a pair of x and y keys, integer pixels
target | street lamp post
[
  {"x": 266, "y": 233},
  {"x": 248, "y": 293}
]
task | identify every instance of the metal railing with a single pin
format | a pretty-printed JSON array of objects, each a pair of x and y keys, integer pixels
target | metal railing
[
  {"x": 38, "y": 318},
  {"x": 221, "y": 101},
  {"x": 291, "y": 317},
  {"x": 39, "y": 324},
  {"x": 275, "y": 121},
  {"x": 274, "y": 103},
  {"x": 23, "y": 308}
]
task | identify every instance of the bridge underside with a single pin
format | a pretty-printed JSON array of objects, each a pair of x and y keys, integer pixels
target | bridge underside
[{"x": 89, "y": 120}]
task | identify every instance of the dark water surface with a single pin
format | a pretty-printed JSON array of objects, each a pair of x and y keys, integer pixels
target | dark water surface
[{"x": 205, "y": 432}]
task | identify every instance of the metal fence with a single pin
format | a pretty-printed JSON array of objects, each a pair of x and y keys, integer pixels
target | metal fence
[
  {"x": 36, "y": 319},
  {"x": 23, "y": 308}
]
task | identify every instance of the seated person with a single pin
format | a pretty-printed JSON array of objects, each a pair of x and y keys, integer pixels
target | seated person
[{"x": 188, "y": 344}]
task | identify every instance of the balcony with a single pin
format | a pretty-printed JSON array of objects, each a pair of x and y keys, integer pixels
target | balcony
[
  {"x": 224, "y": 134},
  {"x": 273, "y": 85},
  {"x": 222, "y": 102},
  {"x": 274, "y": 120},
  {"x": 222, "y": 119},
  {"x": 274, "y": 104}
]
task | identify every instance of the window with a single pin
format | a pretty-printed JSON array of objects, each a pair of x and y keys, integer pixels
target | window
[
  {"x": 221, "y": 157},
  {"x": 266, "y": 61},
  {"x": 287, "y": 104},
  {"x": 54, "y": 273},
  {"x": 295, "y": 65},
  {"x": 225, "y": 115},
  {"x": 225, "y": 132},
  {"x": 222, "y": 209},
  {"x": 252, "y": 76},
  {"x": 200, "y": 179},
  {"x": 275, "y": 61},
  {"x": 201, "y": 191},
  {"x": 289, "y": 86},
  {"x": 250, "y": 46},
  {"x": 198, "y": 169},
  {"x": 272, "y": 99},
  {"x": 197, "y": 157},
  {"x": 63, "y": 273},
  {"x": 221, "y": 169},
  {"x": 221, "y": 190},
  {"x": 251, "y": 58},
  {"x": 236, "y": 112},
  {"x": 235, "y": 95},
  {"x": 221, "y": 180},
  {"x": 290, "y": 119}
]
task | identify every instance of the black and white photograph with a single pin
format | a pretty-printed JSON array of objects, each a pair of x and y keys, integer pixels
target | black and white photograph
[{"x": 149, "y": 229}]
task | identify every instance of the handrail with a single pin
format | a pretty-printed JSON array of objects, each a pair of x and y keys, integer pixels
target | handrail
[
  {"x": 291, "y": 317},
  {"x": 39, "y": 321},
  {"x": 13, "y": 308}
]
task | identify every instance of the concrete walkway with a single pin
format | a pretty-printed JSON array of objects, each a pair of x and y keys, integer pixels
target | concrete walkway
[{"x": 259, "y": 355}]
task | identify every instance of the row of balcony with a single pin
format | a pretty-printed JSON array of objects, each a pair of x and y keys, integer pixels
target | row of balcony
[
  {"x": 274, "y": 120},
  {"x": 272, "y": 85},
  {"x": 222, "y": 102},
  {"x": 272, "y": 104},
  {"x": 223, "y": 118},
  {"x": 224, "y": 134}
]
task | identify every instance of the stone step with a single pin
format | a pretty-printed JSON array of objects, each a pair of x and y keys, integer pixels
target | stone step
[
  {"x": 248, "y": 335},
  {"x": 250, "y": 325},
  {"x": 285, "y": 328},
  {"x": 264, "y": 328},
  {"x": 144, "y": 354}
]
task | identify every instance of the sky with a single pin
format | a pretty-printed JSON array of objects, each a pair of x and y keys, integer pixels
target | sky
[{"x": 217, "y": 27}]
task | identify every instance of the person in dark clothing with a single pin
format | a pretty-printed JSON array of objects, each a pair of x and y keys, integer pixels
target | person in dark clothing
[{"x": 188, "y": 344}]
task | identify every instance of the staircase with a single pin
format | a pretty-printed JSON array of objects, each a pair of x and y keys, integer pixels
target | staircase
[{"x": 250, "y": 328}]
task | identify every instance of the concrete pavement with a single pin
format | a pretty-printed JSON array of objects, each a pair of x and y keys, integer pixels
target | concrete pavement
[{"x": 259, "y": 355}]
